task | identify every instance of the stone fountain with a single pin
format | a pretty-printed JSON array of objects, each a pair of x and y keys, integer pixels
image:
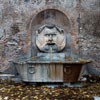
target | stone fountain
[
  {"x": 51, "y": 64},
  {"x": 51, "y": 56}
]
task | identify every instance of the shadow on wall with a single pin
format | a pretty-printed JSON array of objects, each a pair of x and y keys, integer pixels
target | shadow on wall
[
  {"x": 11, "y": 69},
  {"x": 94, "y": 68}
]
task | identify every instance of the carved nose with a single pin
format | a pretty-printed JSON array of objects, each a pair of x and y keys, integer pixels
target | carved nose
[{"x": 50, "y": 38}]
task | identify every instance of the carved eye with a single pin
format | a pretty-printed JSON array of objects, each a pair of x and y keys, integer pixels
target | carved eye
[
  {"x": 54, "y": 35},
  {"x": 46, "y": 34}
]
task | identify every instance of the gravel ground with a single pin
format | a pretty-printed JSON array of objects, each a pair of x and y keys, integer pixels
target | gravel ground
[{"x": 20, "y": 91}]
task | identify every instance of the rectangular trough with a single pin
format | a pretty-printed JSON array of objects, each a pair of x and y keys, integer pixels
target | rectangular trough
[{"x": 49, "y": 71}]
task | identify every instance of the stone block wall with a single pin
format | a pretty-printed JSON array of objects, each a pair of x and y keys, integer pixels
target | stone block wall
[{"x": 16, "y": 14}]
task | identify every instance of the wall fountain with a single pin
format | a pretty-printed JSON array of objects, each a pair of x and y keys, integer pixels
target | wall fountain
[{"x": 51, "y": 56}]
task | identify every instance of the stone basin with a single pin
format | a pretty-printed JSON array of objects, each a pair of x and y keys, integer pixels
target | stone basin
[{"x": 49, "y": 70}]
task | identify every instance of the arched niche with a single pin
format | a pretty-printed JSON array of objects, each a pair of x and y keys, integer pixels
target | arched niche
[{"x": 49, "y": 16}]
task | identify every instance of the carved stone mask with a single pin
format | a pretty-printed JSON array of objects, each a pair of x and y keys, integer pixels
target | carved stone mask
[{"x": 50, "y": 38}]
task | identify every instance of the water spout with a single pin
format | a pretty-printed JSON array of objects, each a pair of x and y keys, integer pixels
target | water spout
[{"x": 51, "y": 55}]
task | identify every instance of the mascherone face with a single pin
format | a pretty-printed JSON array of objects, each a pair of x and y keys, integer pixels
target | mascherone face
[{"x": 50, "y": 38}]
